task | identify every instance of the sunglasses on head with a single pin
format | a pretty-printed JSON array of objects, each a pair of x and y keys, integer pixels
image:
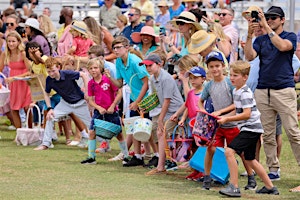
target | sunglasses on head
[
  {"x": 180, "y": 23},
  {"x": 10, "y": 24},
  {"x": 271, "y": 17}
]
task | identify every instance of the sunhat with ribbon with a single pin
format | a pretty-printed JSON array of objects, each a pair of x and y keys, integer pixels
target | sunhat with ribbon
[
  {"x": 200, "y": 41},
  {"x": 146, "y": 30},
  {"x": 246, "y": 14},
  {"x": 187, "y": 17},
  {"x": 33, "y": 23},
  {"x": 162, "y": 3},
  {"x": 80, "y": 26}
]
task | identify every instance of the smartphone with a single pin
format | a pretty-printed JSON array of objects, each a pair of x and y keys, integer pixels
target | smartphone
[
  {"x": 162, "y": 31},
  {"x": 254, "y": 14}
]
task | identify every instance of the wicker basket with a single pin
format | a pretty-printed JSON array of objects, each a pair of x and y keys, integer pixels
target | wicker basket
[
  {"x": 149, "y": 103},
  {"x": 106, "y": 130}
]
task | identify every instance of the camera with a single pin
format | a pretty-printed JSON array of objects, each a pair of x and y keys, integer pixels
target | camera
[
  {"x": 254, "y": 14},
  {"x": 162, "y": 31}
]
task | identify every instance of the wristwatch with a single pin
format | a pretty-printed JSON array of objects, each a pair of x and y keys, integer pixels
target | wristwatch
[
  {"x": 271, "y": 34},
  {"x": 49, "y": 108}
]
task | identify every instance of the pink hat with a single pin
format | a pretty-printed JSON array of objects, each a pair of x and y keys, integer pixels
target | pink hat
[{"x": 146, "y": 30}]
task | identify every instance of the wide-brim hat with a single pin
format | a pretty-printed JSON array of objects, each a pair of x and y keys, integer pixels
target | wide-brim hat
[
  {"x": 33, "y": 23},
  {"x": 200, "y": 41},
  {"x": 146, "y": 30},
  {"x": 246, "y": 13},
  {"x": 80, "y": 26},
  {"x": 189, "y": 1},
  {"x": 187, "y": 17},
  {"x": 162, "y": 3}
]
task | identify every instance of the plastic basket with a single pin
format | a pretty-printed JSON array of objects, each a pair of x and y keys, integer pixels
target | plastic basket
[
  {"x": 128, "y": 124},
  {"x": 106, "y": 130},
  {"x": 149, "y": 103},
  {"x": 4, "y": 93}
]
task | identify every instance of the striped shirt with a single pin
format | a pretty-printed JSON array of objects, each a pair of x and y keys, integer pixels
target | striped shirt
[{"x": 244, "y": 98}]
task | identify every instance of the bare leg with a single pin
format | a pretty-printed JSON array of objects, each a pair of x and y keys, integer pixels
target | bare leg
[{"x": 232, "y": 165}]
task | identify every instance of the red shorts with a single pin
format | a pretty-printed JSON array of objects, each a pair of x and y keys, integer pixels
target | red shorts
[{"x": 225, "y": 133}]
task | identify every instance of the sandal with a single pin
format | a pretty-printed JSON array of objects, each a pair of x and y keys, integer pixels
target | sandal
[
  {"x": 68, "y": 141},
  {"x": 296, "y": 189}
]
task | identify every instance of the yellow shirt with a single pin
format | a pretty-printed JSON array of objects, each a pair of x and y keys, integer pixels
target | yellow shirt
[{"x": 147, "y": 8}]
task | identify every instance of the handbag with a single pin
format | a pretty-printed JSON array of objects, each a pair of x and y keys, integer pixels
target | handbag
[
  {"x": 30, "y": 136},
  {"x": 180, "y": 145}
]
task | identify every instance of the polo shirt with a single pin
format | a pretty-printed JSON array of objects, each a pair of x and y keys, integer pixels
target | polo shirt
[
  {"x": 166, "y": 88},
  {"x": 275, "y": 68},
  {"x": 128, "y": 30},
  {"x": 104, "y": 92},
  {"x": 66, "y": 86},
  {"x": 132, "y": 74},
  {"x": 108, "y": 17}
]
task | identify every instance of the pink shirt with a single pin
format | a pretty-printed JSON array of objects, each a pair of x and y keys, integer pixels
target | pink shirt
[
  {"x": 82, "y": 46},
  {"x": 192, "y": 103},
  {"x": 104, "y": 92}
]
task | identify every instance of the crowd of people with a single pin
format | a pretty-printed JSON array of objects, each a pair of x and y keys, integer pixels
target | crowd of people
[{"x": 191, "y": 60}]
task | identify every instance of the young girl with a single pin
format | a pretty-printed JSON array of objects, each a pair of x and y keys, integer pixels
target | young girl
[
  {"x": 14, "y": 56},
  {"x": 105, "y": 101},
  {"x": 81, "y": 41}
]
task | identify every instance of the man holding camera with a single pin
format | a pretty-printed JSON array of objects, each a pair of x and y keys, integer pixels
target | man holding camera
[{"x": 275, "y": 92}]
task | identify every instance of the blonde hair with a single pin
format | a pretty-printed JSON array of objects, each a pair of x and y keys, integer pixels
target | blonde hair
[
  {"x": 98, "y": 62},
  {"x": 21, "y": 46},
  {"x": 240, "y": 67},
  {"x": 121, "y": 40},
  {"x": 123, "y": 19},
  {"x": 186, "y": 63},
  {"x": 46, "y": 24}
]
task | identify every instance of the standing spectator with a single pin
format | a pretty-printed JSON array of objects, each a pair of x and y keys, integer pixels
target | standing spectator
[
  {"x": 276, "y": 79},
  {"x": 176, "y": 8},
  {"x": 164, "y": 16},
  {"x": 23, "y": 4},
  {"x": 64, "y": 36},
  {"x": 47, "y": 11},
  {"x": 135, "y": 24},
  {"x": 146, "y": 7},
  {"x": 108, "y": 16}
]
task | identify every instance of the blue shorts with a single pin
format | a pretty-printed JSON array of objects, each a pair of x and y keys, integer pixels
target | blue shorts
[{"x": 113, "y": 118}]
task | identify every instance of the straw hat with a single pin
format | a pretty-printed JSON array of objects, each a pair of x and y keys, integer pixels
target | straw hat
[
  {"x": 187, "y": 17},
  {"x": 33, "y": 23},
  {"x": 200, "y": 41},
  {"x": 189, "y": 1},
  {"x": 80, "y": 26},
  {"x": 146, "y": 30},
  {"x": 163, "y": 3},
  {"x": 246, "y": 13}
]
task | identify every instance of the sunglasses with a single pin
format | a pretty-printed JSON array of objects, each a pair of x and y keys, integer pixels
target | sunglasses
[
  {"x": 271, "y": 17},
  {"x": 10, "y": 24},
  {"x": 223, "y": 14},
  {"x": 180, "y": 23},
  {"x": 131, "y": 14},
  {"x": 117, "y": 47}
]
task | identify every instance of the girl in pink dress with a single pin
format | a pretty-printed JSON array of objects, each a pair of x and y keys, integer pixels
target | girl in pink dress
[{"x": 14, "y": 56}]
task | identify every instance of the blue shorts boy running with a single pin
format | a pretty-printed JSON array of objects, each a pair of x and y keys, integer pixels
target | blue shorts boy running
[{"x": 113, "y": 118}]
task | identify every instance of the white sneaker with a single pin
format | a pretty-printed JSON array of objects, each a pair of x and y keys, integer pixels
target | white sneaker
[
  {"x": 11, "y": 128},
  {"x": 73, "y": 143},
  {"x": 120, "y": 156},
  {"x": 51, "y": 146},
  {"x": 83, "y": 143}
]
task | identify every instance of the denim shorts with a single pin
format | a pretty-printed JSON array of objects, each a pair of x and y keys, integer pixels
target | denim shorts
[{"x": 113, "y": 118}]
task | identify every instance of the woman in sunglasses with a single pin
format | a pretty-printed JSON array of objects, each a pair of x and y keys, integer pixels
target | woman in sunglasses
[{"x": 11, "y": 23}]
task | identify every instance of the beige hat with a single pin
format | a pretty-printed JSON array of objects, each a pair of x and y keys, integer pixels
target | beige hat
[
  {"x": 187, "y": 17},
  {"x": 246, "y": 13},
  {"x": 162, "y": 3},
  {"x": 189, "y": 1},
  {"x": 79, "y": 26},
  {"x": 200, "y": 41}
]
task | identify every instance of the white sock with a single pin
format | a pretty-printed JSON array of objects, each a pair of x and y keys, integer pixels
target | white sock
[
  {"x": 84, "y": 134},
  {"x": 138, "y": 156},
  {"x": 156, "y": 154}
]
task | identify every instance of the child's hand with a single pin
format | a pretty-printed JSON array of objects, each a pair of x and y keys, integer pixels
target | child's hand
[
  {"x": 216, "y": 113},
  {"x": 107, "y": 73},
  {"x": 31, "y": 105},
  {"x": 111, "y": 109},
  {"x": 181, "y": 122},
  {"x": 174, "y": 117},
  {"x": 222, "y": 120},
  {"x": 50, "y": 114},
  {"x": 133, "y": 106},
  {"x": 101, "y": 110}
]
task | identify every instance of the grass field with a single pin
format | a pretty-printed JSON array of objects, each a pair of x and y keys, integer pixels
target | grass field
[{"x": 58, "y": 174}]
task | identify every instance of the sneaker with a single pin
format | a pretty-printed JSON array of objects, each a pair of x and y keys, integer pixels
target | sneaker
[
  {"x": 251, "y": 183},
  {"x": 152, "y": 162},
  {"x": 264, "y": 190},
  {"x": 118, "y": 157},
  {"x": 245, "y": 174},
  {"x": 199, "y": 177},
  {"x": 89, "y": 161},
  {"x": 207, "y": 182},
  {"x": 231, "y": 191},
  {"x": 11, "y": 128},
  {"x": 156, "y": 172},
  {"x": 51, "y": 146},
  {"x": 83, "y": 143},
  {"x": 73, "y": 143},
  {"x": 192, "y": 175},
  {"x": 170, "y": 165},
  {"x": 273, "y": 176},
  {"x": 134, "y": 162},
  {"x": 126, "y": 160},
  {"x": 104, "y": 147}
]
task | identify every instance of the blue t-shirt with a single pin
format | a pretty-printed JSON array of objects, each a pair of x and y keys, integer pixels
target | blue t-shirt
[
  {"x": 175, "y": 13},
  {"x": 128, "y": 30},
  {"x": 66, "y": 86},
  {"x": 275, "y": 69},
  {"x": 132, "y": 74}
]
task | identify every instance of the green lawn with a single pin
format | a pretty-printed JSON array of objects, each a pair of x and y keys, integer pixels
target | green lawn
[{"x": 58, "y": 174}]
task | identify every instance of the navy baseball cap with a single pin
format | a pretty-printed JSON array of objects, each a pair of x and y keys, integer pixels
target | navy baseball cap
[
  {"x": 275, "y": 10},
  {"x": 196, "y": 71},
  {"x": 148, "y": 17},
  {"x": 214, "y": 55}
]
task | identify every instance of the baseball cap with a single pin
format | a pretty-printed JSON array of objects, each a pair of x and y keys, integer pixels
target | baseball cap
[
  {"x": 275, "y": 10},
  {"x": 214, "y": 55},
  {"x": 148, "y": 17},
  {"x": 150, "y": 59},
  {"x": 196, "y": 71}
]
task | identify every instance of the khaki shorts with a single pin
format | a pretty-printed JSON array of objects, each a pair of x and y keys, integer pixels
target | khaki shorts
[{"x": 169, "y": 128}]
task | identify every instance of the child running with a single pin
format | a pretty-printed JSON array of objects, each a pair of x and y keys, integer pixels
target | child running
[
  {"x": 106, "y": 98},
  {"x": 248, "y": 118}
]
